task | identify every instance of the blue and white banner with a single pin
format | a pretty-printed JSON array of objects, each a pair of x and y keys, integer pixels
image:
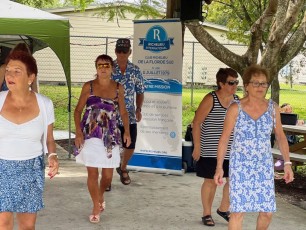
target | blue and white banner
[{"x": 157, "y": 50}]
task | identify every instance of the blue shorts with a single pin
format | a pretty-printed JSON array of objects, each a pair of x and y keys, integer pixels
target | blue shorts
[{"x": 22, "y": 185}]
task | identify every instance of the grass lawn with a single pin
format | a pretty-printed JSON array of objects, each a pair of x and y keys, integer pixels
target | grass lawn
[
  {"x": 59, "y": 95},
  {"x": 296, "y": 97}
]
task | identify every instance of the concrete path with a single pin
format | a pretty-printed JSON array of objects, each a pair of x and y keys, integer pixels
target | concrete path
[{"x": 152, "y": 201}]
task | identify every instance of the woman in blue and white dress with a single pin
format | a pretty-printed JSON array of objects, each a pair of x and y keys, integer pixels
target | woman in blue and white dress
[
  {"x": 26, "y": 134},
  {"x": 251, "y": 169}
]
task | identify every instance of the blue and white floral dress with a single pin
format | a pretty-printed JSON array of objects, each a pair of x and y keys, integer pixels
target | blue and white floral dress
[{"x": 251, "y": 169}]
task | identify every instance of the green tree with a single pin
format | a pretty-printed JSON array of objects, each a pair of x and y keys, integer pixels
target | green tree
[
  {"x": 115, "y": 10},
  {"x": 274, "y": 28},
  {"x": 40, "y": 3}
]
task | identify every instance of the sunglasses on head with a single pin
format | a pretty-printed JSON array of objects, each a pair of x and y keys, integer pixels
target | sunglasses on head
[
  {"x": 122, "y": 51},
  {"x": 104, "y": 65},
  {"x": 236, "y": 82}
]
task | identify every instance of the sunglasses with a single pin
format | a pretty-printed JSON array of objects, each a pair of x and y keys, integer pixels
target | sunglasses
[
  {"x": 104, "y": 65},
  {"x": 122, "y": 51},
  {"x": 233, "y": 82}
]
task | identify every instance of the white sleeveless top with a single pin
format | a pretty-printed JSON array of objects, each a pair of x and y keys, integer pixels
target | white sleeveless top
[
  {"x": 46, "y": 115},
  {"x": 21, "y": 141}
]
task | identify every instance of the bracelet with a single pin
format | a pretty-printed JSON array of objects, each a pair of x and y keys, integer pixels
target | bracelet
[
  {"x": 138, "y": 108},
  {"x": 288, "y": 163},
  {"x": 52, "y": 154}
]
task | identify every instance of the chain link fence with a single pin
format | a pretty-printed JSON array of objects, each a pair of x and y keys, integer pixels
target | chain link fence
[
  {"x": 199, "y": 66},
  {"x": 198, "y": 70}
]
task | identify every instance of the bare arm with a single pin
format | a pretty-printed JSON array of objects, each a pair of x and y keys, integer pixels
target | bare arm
[
  {"x": 200, "y": 116},
  {"x": 79, "y": 138},
  {"x": 124, "y": 116},
  {"x": 229, "y": 124},
  {"x": 52, "y": 160},
  {"x": 139, "y": 102},
  {"x": 283, "y": 146}
]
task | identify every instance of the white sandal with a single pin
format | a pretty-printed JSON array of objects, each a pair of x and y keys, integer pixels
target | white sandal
[
  {"x": 94, "y": 219},
  {"x": 102, "y": 206}
]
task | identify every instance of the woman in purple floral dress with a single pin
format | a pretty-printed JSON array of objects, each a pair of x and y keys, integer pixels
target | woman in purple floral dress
[{"x": 98, "y": 137}]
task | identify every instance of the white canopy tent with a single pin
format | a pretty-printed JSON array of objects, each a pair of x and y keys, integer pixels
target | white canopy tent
[{"x": 39, "y": 29}]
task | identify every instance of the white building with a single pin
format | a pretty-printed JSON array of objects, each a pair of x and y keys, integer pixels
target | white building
[{"x": 92, "y": 35}]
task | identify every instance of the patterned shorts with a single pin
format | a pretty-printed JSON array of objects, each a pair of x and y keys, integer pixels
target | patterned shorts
[{"x": 22, "y": 185}]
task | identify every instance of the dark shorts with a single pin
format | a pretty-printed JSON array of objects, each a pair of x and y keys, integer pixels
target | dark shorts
[
  {"x": 133, "y": 133},
  {"x": 206, "y": 167}
]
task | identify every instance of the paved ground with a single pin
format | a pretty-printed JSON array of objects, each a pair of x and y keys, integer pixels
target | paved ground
[{"x": 152, "y": 201}]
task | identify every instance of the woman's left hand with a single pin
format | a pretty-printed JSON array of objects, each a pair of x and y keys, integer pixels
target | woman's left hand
[
  {"x": 288, "y": 174},
  {"x": 53, "y": 166}
]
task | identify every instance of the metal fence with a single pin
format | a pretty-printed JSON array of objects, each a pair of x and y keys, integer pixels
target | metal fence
[
  {"x": 199, "y": 66},
  {"x": 198, "y": 70}
]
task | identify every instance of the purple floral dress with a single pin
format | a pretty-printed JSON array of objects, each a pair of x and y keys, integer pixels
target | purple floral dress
[{"x": 100, "y": 120}]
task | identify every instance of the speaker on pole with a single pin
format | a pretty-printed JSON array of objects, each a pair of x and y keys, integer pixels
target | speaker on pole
[{"x": 191, "y": 10}]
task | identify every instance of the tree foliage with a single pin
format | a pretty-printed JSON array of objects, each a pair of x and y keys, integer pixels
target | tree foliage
[
  {"x": 40, "y": 3},
  {"x": 273, "y": 28},
  {"x": 116, "y": 9}
]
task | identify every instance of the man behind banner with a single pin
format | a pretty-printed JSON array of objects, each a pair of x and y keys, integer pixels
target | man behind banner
[{"x": 129, "y": 75}]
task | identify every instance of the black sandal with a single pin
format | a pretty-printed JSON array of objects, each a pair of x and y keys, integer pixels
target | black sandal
[
  {"x": 225, "y": 215},
  {"x": 124, "y": 180},
  {"x": 208, "y": 220}
]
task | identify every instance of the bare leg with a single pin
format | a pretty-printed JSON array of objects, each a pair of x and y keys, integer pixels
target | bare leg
[
  {"x": 6, "y": 220},
  {"x": 224, "y": 206},
  {"x": 26, "y": 221},
  {"x": 93, "y": 188},
  {"x": 263, "y": 220},
  {"x": 105, "y": 181},
  {"x": 236, "y": 220},
  {"x": 126, "y": 156},
  {"x": 208, "y": 191}
]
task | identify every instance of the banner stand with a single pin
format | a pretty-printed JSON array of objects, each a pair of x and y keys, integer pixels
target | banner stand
[{"x": 157, "y": 51}]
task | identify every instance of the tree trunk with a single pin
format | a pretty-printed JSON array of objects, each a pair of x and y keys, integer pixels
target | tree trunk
[{"x": 275, "y": 88}]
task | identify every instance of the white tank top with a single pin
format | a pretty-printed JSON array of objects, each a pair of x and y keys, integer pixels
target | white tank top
[{"x": 23, "y": 141}]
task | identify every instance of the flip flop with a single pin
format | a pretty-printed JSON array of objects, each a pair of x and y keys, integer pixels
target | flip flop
[{"x": 224, "y": 215}]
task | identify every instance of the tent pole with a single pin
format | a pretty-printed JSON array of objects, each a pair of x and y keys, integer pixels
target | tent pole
[{"x": 69, "y": 123}]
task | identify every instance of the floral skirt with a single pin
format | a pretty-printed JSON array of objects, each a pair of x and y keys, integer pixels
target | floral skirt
[{"x": 22, "y": 185}]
